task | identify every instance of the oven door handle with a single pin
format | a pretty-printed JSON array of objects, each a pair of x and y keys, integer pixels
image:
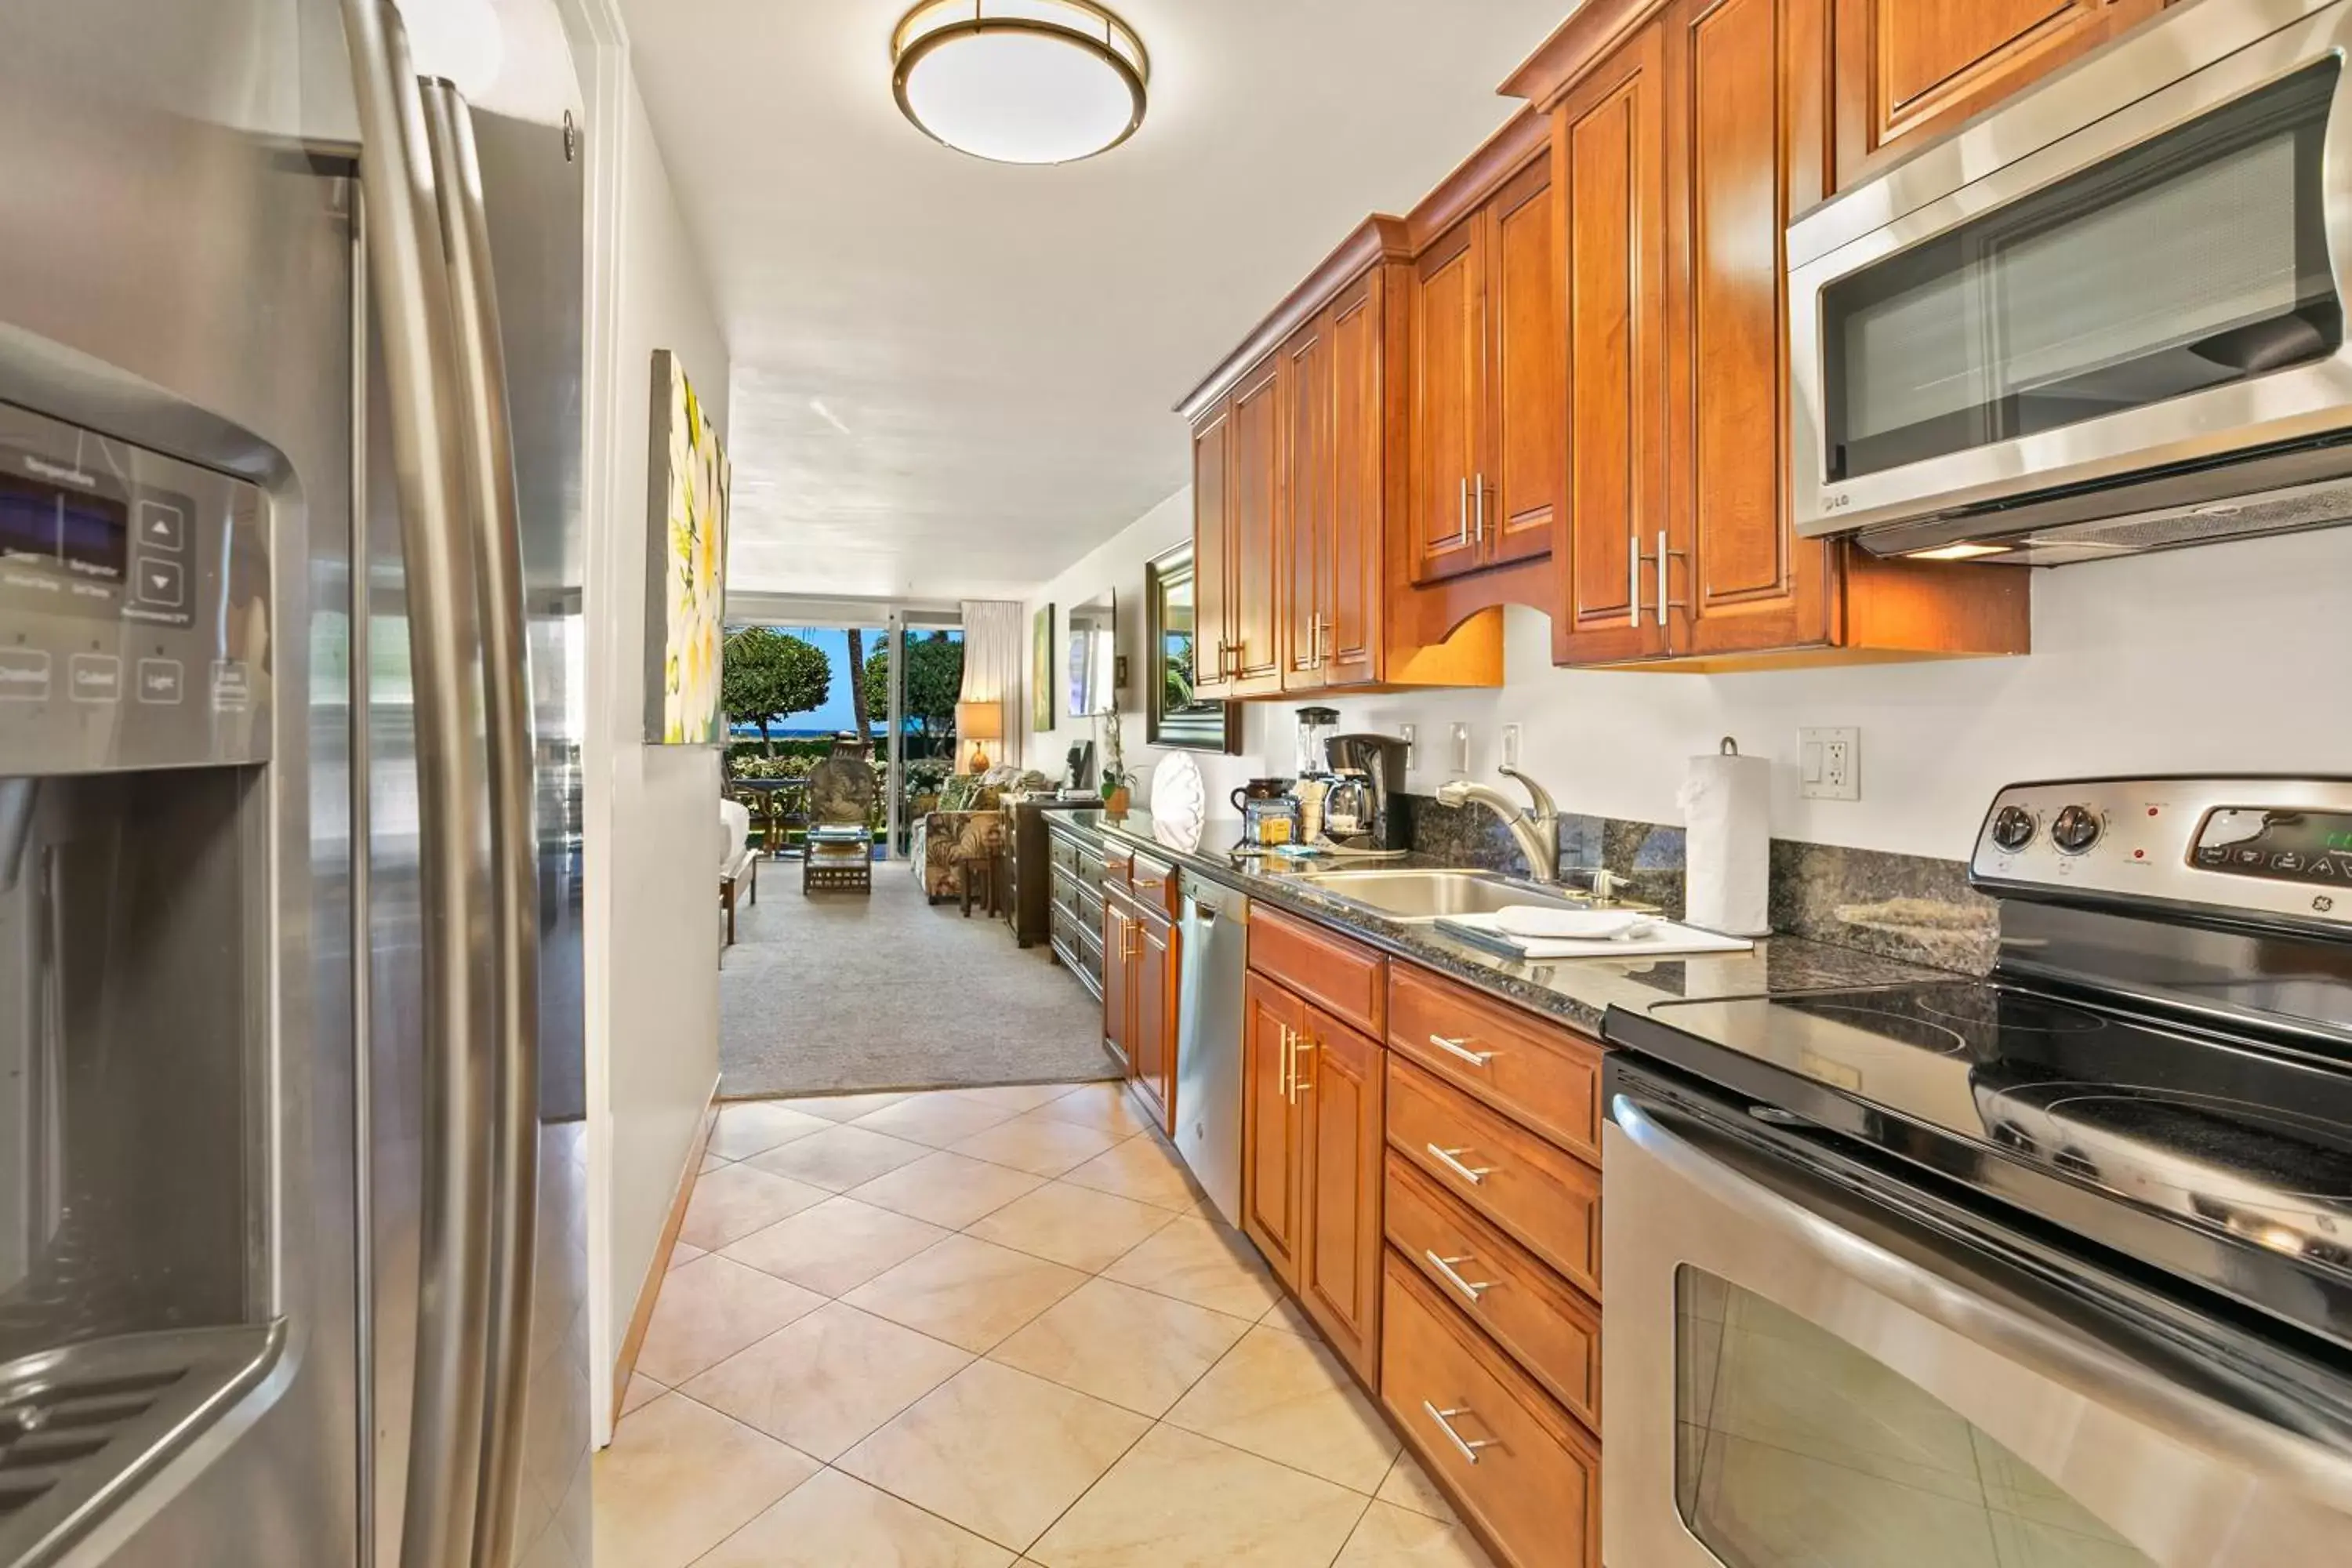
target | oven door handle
[{"x": 2070, "y": 1356}]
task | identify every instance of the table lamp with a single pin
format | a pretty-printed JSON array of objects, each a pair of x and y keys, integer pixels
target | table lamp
[{"x": 979, "y": 721}]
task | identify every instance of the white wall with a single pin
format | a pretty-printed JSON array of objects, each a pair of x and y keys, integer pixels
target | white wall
[
  {"x": 1117, "y": 566},
  {"x": 651, "y": 935},
  {"x": 2227, "y": 657}
]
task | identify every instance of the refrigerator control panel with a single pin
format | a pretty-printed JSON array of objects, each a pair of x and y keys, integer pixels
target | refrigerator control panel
[{"x": 134, "y": 606}]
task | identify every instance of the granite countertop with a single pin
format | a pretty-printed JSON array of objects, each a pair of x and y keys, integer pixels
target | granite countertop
[{"x": 1577, "y": 991}]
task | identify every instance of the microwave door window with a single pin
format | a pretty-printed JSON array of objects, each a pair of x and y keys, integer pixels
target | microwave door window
[{"x": 2195, "y": 260}]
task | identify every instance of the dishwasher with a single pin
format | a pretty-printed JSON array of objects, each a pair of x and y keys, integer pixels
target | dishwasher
[{"x": 1214, "y": 922}]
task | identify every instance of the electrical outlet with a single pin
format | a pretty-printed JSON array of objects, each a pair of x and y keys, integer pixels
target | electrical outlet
[
  {"x": 1830, "y": 764},
  {"x": 1462, "y": 750},
  {"x": 1405, "y": 733},
  {"x": 1510, "y": 745}
]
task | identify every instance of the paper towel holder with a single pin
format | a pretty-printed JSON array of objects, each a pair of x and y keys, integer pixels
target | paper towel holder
[{"x": 1731, "y": 747}]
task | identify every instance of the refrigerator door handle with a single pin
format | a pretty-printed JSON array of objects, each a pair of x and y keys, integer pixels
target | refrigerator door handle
[
  {"x": 410, "y": 281},
  {"x": 514, "y": 872}
]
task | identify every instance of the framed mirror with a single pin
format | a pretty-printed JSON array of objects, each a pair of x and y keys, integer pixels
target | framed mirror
[
  {"x": 1175, "y": 717},
  {"x": 1091, "y": 631}
]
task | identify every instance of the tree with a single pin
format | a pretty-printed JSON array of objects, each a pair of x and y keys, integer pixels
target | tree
[
  {"x": 934, "y": 680},
  {"x": 861, "y": 710},
  {"x": 769, "y": 676}
]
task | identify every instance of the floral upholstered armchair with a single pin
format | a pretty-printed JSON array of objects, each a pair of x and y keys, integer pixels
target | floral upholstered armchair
[{"x": 970, "y": 825}]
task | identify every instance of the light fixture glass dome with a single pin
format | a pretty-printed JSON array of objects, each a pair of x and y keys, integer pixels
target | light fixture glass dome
[{"x": 1019, "y": 81}]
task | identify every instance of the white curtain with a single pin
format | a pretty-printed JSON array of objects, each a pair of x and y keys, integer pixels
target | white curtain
[{"x": 995, "y": 642}]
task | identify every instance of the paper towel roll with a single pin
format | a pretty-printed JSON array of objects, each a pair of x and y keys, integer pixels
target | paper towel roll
[{"x": 1726, "y": 803}]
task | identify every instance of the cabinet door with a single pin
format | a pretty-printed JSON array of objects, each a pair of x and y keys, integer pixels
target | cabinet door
[
  {"x": 1153, "y": 976},
  {"x": 1117, "y": 976},
  {"x": 1271, "y": 1198},
  {"x": 1741, "y": 82},
  {"x": 1305, "y": 395},
  {"x": 1340, "y": 1094},
  {"x": 1517, "y": 485},
  {"x": 1906, "y": 69},
  {"x": 1609, "y": 180},
  {"x": 1212, "y": 553},
  {"x": 1449, "y": 398},
  {"x": 1253, "y": 611},
  {"x": 1352, "y": 617}
]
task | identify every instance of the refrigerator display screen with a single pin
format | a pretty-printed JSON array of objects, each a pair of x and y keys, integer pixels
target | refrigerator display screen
[{"x": 86, "y": 534}]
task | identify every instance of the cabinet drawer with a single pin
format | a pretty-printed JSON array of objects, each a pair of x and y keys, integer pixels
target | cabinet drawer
[
  {"x": 1155, "y": 884},
  {"x": 1114, "y": 866},
  {"x": 1345, "y": 979},
  {"x": 1519, "y": 1466},
  {"x": 1548, "y": 1200},
  {"x": 1499, "y": 1286},
  {"x": 1536, "y": 1072}
]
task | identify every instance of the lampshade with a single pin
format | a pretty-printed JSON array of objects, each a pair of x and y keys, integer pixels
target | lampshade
[
  {"x": 979, "y": 721},
  {"x": 1019, "y": 81}
]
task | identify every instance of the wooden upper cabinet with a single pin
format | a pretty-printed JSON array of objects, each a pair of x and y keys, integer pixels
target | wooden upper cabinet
[
  {"x": 1449, "y": 396},
  {"x": 1520, "y": 469},
  {"x": 1305, "y": 394},
  {"x": 1253, "y": 531},
  {"x": 1609, "y": 173},
  {"x": 1910, "y": 68},
  {"x": 1352, "y": 621},
  {"x": 1738, "y": 575},
  {"x": 1213, "y": 632}
]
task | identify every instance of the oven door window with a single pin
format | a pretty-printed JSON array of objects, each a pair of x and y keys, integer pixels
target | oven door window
[
  {"x": 1794, "y": 1449},
  {"x": 2195, "y": 260}
]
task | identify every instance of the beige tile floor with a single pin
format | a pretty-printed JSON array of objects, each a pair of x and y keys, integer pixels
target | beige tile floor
[{"x": 983, "y": 1329}]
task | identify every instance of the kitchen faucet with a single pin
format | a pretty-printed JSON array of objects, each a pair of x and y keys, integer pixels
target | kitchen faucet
[{"x": 1537, "y": 827}]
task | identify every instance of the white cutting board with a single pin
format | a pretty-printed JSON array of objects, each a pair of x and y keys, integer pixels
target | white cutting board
[{"x": 1665, "y": 939}]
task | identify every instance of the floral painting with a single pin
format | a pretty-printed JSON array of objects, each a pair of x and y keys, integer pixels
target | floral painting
[{"x": 686, "y": 603}]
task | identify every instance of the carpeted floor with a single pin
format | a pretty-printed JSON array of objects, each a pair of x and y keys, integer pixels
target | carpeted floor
[{"x": 840, "y": 992}]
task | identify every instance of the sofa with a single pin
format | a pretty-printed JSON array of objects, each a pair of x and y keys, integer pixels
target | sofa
[{"x": 971, "y": 823}]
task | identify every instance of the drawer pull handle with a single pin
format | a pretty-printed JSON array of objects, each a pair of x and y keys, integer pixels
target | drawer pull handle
[
  {"x": 1472, "y": 1288},
  {"x": 1460, "y": 1049},
  {"x": 1469, "y": 1446},
  {"x": 1474, "y": 1175}
]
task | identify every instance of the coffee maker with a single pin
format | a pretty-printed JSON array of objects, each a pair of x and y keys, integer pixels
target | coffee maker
[{"x": 1365, "y": 807}]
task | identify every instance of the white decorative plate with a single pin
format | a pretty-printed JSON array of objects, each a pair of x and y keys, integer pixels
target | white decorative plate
[{"x": 1180, "y": 800}]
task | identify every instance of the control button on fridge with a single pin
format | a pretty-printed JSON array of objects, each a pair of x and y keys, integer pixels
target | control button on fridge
[
  {"x": 161, "y": 680},
  {"x": 24, "y": 675},
  {"x": 162, "y": 527},
  {"x": 163, "y": 582},
  {"x": 232, "y": 685},
  {"x": 94, "y": 678}
]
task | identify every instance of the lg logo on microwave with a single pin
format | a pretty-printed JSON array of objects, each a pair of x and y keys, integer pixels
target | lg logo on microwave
[{"x": 1835, "y": 501}]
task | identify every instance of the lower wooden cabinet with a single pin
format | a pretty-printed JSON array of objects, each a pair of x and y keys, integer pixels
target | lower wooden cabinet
[
  {"x": 1340, "y": 1086},
  {"x": 1525, "y": 1473},
  {"x": 1273, "y": 1179},
  {"x": 1140, "y": 959}
]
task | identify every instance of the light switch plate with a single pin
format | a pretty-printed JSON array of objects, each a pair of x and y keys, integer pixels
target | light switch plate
[
  {"x": 1510, "y": 745},
  {"x": 1461, "y": 757},
  {"x": 1405, "y": 733},
  {"x": 1829, "y": 763}
]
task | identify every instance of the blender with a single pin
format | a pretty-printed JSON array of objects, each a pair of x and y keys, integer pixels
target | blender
[{"x": 1313, "y": 782}]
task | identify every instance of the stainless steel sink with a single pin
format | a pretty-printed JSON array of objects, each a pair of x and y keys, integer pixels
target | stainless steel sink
[{"x": 1431, "y": 895}]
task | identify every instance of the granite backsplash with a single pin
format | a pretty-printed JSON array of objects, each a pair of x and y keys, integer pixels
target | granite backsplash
[{"x": 1913, "y": 907}]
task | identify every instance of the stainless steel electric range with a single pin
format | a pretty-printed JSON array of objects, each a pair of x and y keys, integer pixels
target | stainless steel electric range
[{"x": 2051, "y": 1269}]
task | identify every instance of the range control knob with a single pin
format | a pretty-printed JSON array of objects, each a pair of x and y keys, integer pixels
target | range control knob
[
  {"x": 2076, "y": 829},
  {"x": 2012, "y": 828}
]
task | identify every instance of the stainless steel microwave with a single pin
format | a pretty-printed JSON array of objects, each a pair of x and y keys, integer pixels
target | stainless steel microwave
[{"x": 2107, "y": 316}]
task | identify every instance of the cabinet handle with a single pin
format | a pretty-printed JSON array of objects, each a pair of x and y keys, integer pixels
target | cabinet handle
[
  {"x": 1462, "y": 514},
  {"x": 1444, "y": 1419},
  {"x": 1472, "y": 1288},
  {"x": 1299, "y": 1045},
  {"x": 1282, "y": 1077},
  {"x": 1662, "y": 579},
  {"x": 1315, "y": 640},
  {"x": 1478, "y": 507},
  {"x": 1461, "y": 1047},
  {"x": 1632, "y": 582},
  {"x": 1474, "y": 1175}
]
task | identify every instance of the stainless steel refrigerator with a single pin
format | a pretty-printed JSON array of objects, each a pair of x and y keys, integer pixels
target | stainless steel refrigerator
[{"x": 292, "y": 1161}]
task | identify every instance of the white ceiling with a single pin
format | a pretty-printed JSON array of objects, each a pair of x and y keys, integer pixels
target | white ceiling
[{"x": 953, "y": 378}]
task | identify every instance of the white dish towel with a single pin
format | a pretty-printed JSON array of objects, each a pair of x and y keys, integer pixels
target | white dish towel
[{"x": 1661, "y": 939}]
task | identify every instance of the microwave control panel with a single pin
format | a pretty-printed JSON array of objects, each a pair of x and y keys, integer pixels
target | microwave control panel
[{"x": 134, "y": 606}]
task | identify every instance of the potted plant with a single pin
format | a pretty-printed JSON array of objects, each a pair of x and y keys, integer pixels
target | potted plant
[{"x": 1116, "y": 779}]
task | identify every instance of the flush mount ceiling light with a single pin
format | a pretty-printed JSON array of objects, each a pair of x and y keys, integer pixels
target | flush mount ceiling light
[{"x": 1019, "y": 81}]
